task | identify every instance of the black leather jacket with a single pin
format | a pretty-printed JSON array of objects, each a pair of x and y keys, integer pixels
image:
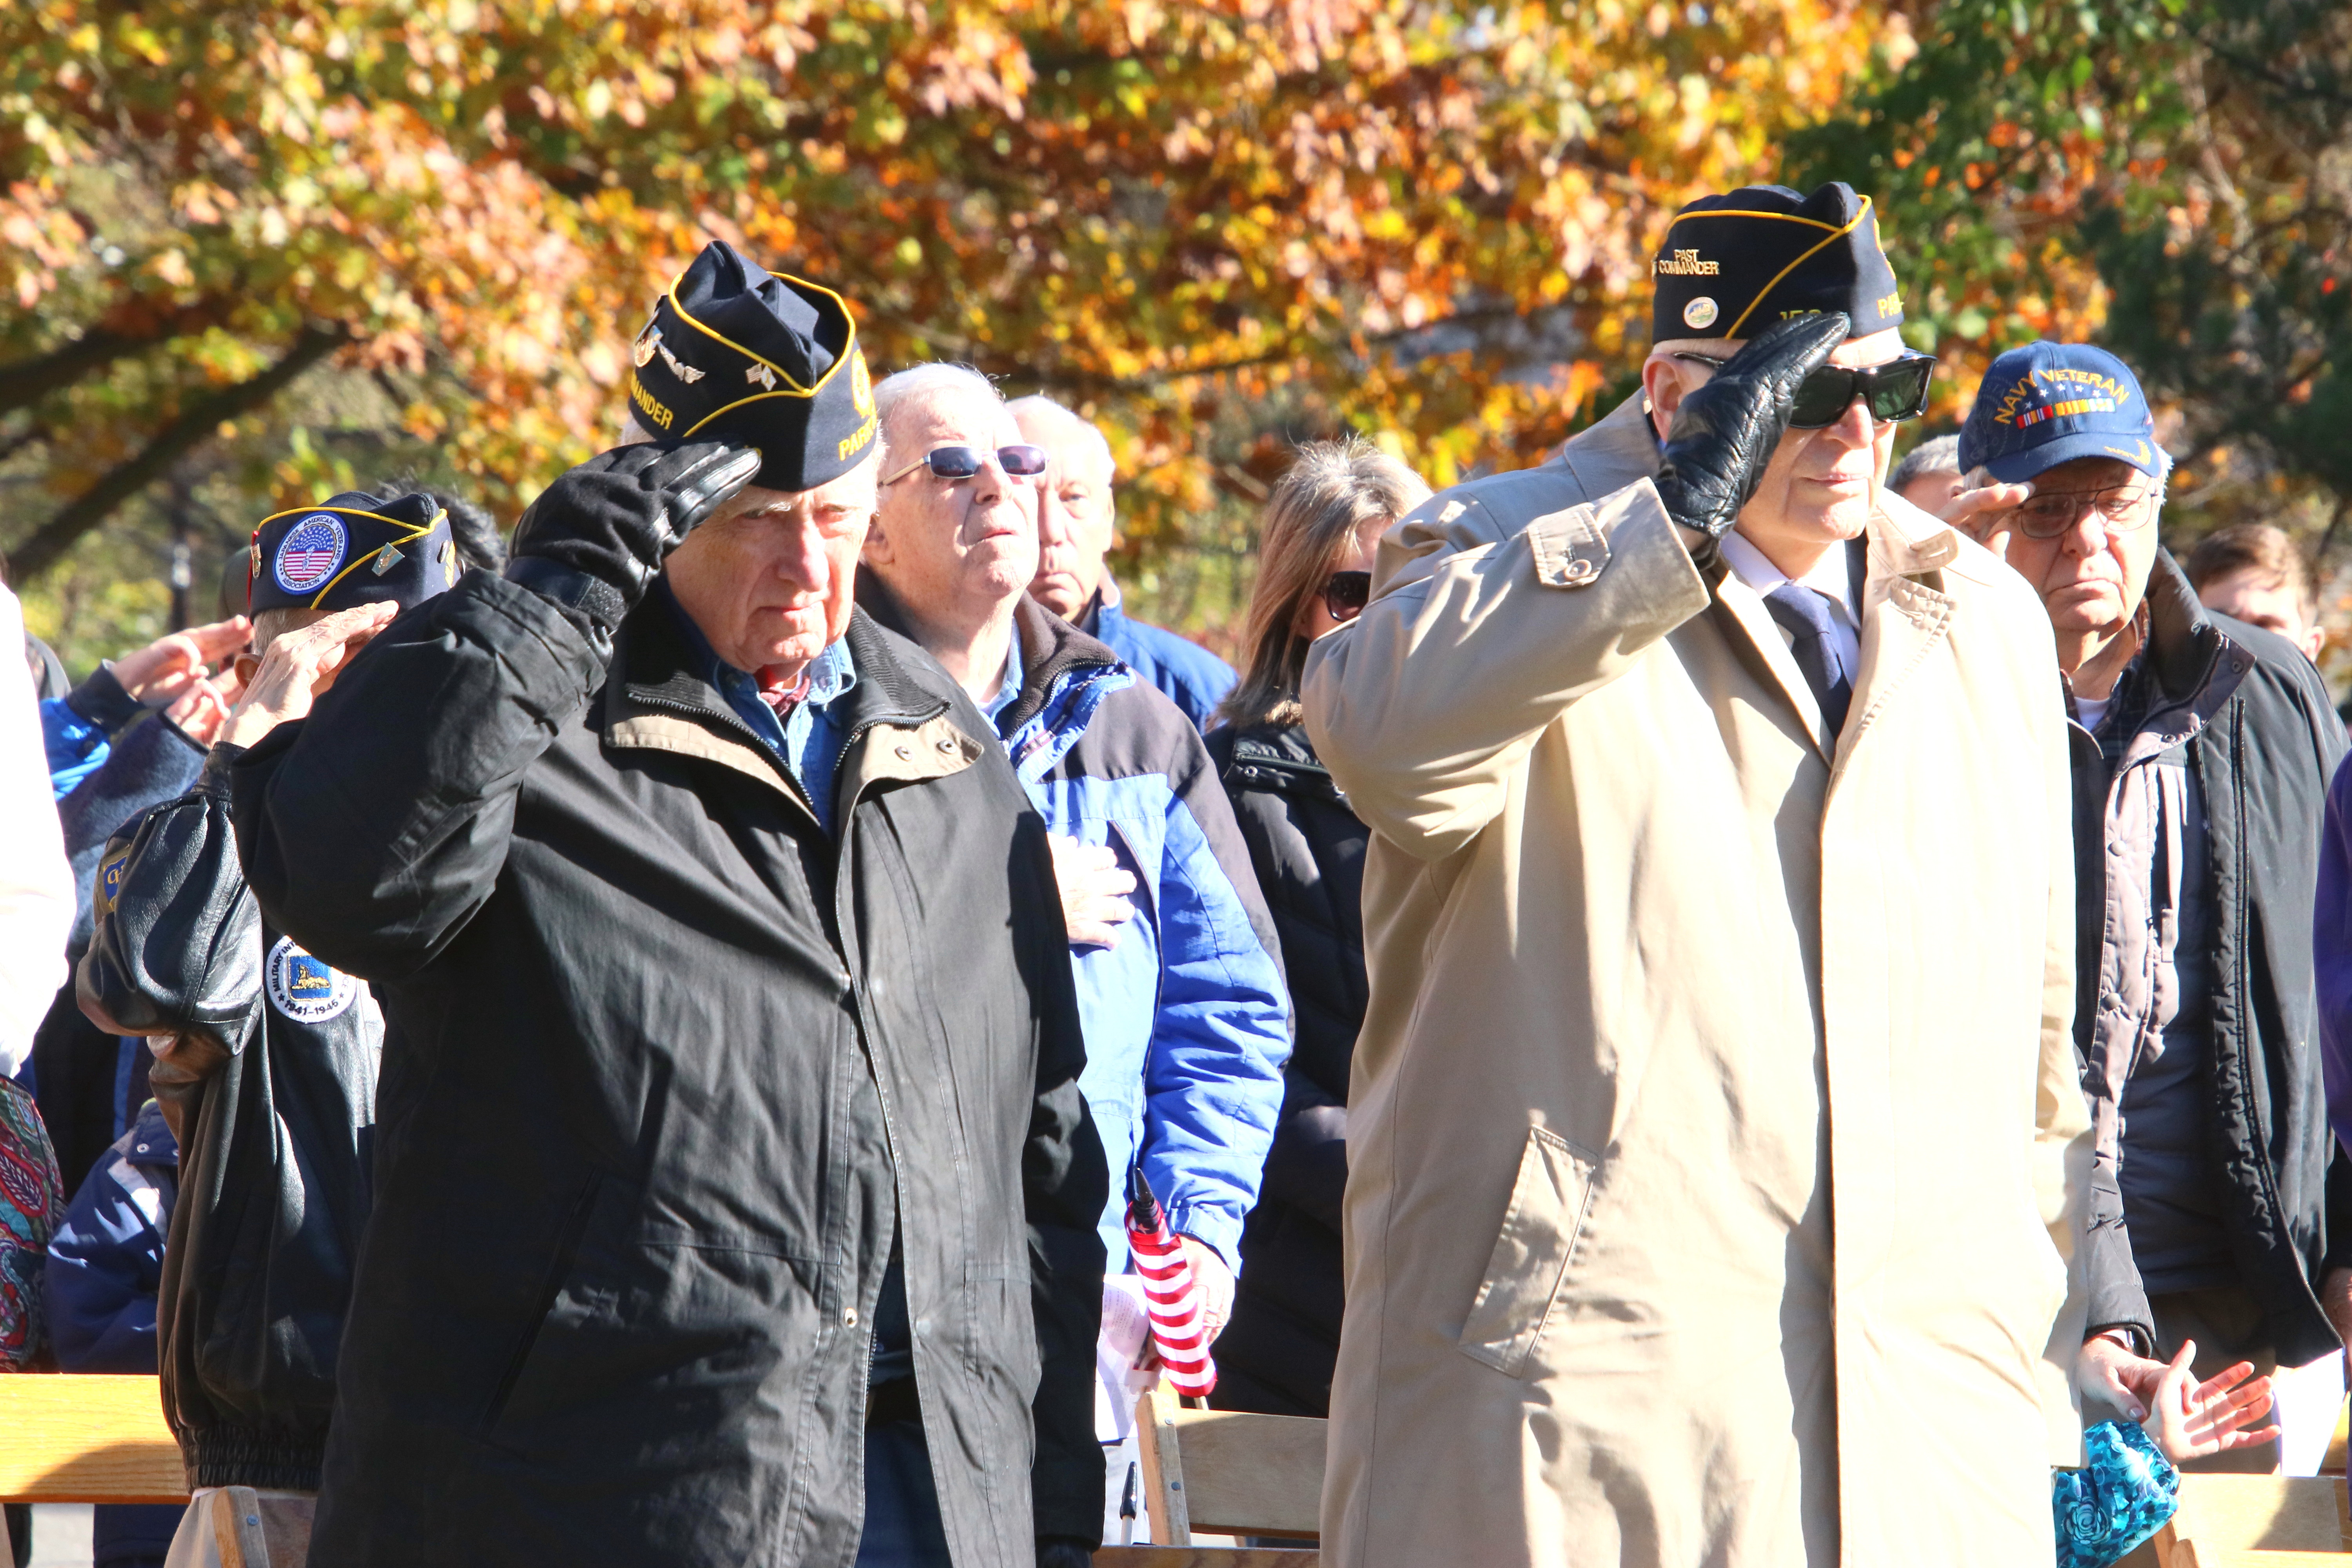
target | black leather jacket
[
  {"x": 1308, "y": 848},
  {"x": 271, "y": 1092}
]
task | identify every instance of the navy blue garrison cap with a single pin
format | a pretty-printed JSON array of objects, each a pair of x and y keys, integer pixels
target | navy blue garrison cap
[
  {"x": 1734, "y": 264},
  {"x": 351, "y": 548},
  {"x": 734, "y": 353}
]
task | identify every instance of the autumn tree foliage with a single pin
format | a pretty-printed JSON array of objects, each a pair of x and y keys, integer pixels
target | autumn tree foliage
[
  {"x": 236, "y": 239},
  {"x": 2172, "y": 178}
]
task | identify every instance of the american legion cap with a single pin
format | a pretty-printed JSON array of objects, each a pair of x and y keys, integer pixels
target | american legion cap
[
  {"x": 735, "y": 353},
  {"x": 351, "y": 548},
  {"x": 2048, "y": 404},
  {"x": 1733, "y": 264}
]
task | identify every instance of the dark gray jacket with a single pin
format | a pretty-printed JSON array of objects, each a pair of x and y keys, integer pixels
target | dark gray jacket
[
  {"x": 2262, "y": 741},
  {"x": 667, "y": 1068}
]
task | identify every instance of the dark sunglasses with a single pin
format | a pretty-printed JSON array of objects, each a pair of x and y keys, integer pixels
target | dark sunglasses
[
  {"x": 963, "y": 462},
  {"x": 1892, "y": 392},
  {"x": 1345, "y": 593}
]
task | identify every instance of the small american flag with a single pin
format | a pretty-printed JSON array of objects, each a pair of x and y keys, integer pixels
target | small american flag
[{"x": 1172, "y": 1300}]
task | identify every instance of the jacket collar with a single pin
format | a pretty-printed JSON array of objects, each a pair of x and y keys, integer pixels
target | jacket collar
[
  {"x": 1051, "y": 648},
  {"x": 2184, "y": 647},
  {"x": 658, "y": 699}
]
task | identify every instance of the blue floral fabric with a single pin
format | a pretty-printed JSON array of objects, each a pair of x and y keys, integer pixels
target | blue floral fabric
[{"x": 2122, "y": 1495}]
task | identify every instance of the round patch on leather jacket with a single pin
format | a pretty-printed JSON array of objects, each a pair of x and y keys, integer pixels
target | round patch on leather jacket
[{"x": 304, "y": 988}]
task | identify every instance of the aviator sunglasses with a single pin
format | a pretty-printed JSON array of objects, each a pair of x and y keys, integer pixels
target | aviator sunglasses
[
  {"x": 1345, "y": 593},
  {"x": 1893, "y": 392},
  {"x": 963, "y": 462}
]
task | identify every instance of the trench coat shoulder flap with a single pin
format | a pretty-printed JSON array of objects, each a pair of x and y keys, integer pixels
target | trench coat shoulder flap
[{"x": 903, "y": 732}]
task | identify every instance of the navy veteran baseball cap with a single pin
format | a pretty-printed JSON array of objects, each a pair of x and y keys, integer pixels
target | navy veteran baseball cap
[
  {"x": 352, "y": 549},
  {"x": 735, "y": 355},
  {"x": 2048, "y": 404},
  {"x": 1734, "y": 264}
]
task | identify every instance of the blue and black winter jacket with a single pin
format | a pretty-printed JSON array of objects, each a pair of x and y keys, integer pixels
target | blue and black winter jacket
[
  {"x": 1187, "y": 1018},
  {"x": 1189, "y": 674}
]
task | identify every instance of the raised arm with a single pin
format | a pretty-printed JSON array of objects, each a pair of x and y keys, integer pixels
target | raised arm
[
  {"x": 1485, "y": 626},
  {"x": 404, "y": 778}
]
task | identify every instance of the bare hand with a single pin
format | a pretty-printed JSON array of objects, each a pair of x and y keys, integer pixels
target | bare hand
[
  {"x": 2195, "y": 1420},
  {"x": 1214, "y": 1280},
  {"x": 164, "y": 669},
  {"x": 1980, "y": 512},
  {"x": 1094, "y": 892},
  {"x": 200, "y": 711},
  {"x": 298, "y": 666},
  {"x": 2113, "y": 1373}
]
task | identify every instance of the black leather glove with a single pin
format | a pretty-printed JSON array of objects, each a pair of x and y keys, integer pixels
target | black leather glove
[
  {"x": 1064, "y": 1551},
  {"x": 595, "y": 537},
  {"x": 1724, "y": 434}
]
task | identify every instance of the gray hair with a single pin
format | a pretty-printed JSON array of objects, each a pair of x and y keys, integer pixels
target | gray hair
[
  {"x": 918, "y": 383},
  {"x": 1940, "y": 456},
  {"x": 1073, "y": 425}
]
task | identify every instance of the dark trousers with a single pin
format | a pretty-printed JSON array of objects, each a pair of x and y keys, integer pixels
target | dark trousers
[{"x": 902, "y": 1502}]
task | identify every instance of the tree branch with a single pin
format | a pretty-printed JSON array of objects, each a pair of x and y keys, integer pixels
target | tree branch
[
  {"x": 30, "y": 380},
  {"x": 49, "y": 541}
]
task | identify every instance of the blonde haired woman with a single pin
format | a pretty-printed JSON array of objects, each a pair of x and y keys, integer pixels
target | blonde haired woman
[{"x": 1315, "y": 564}]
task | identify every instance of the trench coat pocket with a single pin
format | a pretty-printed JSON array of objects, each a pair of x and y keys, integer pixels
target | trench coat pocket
[{"x": 1531, "y": 1253}]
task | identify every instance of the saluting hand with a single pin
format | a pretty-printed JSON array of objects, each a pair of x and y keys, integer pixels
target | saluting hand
[
  {"x": 596, "y": 536},
  {"x": 158, "y": 674},
  {"x": 300, "y": 665},
  {"x": 1724, "y": 434}
]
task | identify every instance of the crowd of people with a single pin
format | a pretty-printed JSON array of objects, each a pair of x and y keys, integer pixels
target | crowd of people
[{"x": 1718, "y": 999}]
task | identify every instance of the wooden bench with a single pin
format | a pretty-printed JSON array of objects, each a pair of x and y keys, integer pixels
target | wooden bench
[
  {"x": 1225, "y": 1473},
  {"x": 86, "y": 1440},
  {"x": 2246, "y": 1521}
]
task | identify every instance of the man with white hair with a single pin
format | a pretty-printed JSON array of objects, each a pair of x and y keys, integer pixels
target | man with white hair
[
  {"x": 1179, "y": 991},
  {"x": 1077, "y": 523}
]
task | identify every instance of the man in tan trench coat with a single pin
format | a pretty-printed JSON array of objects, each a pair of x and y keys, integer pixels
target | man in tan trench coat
[{"x": 1716, "y": 1144}]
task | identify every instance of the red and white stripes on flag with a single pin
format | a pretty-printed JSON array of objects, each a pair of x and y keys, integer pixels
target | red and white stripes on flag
[{"x": 1180, "y": 1330}]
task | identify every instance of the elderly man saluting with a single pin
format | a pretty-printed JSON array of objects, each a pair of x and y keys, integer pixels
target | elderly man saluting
[
  {"x": 1716, "y": 1148},
  {"x": 736, "y": 1197}
]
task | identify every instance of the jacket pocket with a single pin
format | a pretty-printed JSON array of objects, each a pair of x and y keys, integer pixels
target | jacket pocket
[
  {"x": 1531, "y": 1253},
  {"x": 559, "y": 1268}
]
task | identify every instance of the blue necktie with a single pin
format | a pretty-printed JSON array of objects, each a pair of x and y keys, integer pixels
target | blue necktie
[{"x": 1804, "y": 615}]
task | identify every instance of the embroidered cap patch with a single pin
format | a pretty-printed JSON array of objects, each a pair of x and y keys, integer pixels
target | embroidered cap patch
[{"x": 310, "y": 552}]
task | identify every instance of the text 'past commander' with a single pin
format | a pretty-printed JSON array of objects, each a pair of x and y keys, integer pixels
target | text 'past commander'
[
  {"x": 736, "y": 1199},
  {"x": 1714, "y": 1137}
]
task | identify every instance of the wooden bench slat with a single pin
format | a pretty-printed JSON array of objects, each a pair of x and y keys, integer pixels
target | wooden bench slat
[{"x": 65, "y": 1438}]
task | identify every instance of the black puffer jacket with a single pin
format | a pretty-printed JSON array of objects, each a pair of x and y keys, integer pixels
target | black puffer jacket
[
  {"x": 271, "y": 1092},
  {"x": 667, "y": 1068},
  {"x": 1308, "y": 848}
]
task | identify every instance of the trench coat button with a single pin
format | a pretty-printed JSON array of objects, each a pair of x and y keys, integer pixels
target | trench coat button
[
  {"x": 906, "y": 754},
  {"x": 923, "y": 1327},
  {"x": 849, "y": 1318},
  {"x": 946, "y": 745}
]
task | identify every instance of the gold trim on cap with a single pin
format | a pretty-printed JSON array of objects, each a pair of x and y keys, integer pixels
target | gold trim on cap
[
  {"x": 411, "y": 536},
  {"x": 1835, "y": 233},
  {"x": 797, "y": 390}
]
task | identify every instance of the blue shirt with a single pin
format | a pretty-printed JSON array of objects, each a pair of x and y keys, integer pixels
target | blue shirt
[
  {"x": 809, "y": 743},
  {"x": 995, "y": 706}
]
